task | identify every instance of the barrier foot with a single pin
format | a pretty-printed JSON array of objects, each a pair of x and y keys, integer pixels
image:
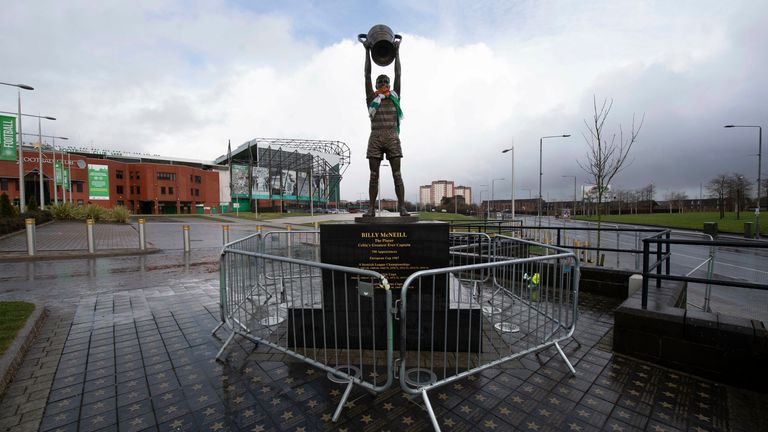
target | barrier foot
[
  {"x": 223, "y": 347},
  {"x": 565, "y": 359},
  {"x": 430, "y": 411},
  {"x": 343, "y": 401},
  {"x": 213, "y": 333}
]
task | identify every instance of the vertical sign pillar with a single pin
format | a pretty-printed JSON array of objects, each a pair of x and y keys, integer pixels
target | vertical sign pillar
[{"x": 225, "y": 234}]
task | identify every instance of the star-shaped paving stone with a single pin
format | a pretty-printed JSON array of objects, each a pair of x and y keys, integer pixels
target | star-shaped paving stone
[
  {"x": 366, "y": 419},
  {"x": 134, "y": 407},
  {"x": 171, "y": 409},
  {"x": 554, "y": 401},
  {"x": 209, "y": 412},
  {"x": 533, "y": 426},
  {"x": 575, "y": 427},
  {"x": 275, "y": 401},
  {"x": 258, "y": 428},
  {"x": 177, "y": 424},
  {"x": 544, "y": 413},
  {"x": 480, "y": 397},
  {"x": 449, "y": 422},
  {"x": 582, "y": 413},
  {"x": 217, "y": 426},
  {"x": 490, "y": 424},
  {"x": 137, "y": 421},
  {"x": 702, "y": 417},
  {"x": 287, "y": 415},
  {"x": 617, "y": 428},
  {"x": 408, "y": 420},
  {"x": 466, "y": 409},
  {"x": 504, "y": 411},
  {"x": 167, "y": 396},
  {"x": 517, "y": 399},
  {"x": 97, "y": 419},
  {"x": 202, "y": 398},
  {"x": 326, "y": 417},
  {"x": 388, "y": 406}
]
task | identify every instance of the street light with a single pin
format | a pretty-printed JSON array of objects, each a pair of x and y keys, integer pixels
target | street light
[
  {"x": 574, "y": 192},
  {"x": 22, "y": 199},
  {"x": 759, "y": 168},
  {"x": 488, "y": 205},
  {"x": 512, "y": 178},
  {"x": 540, "y": 167},
  {"x": 493, "y": 183},
  {"x": 53, "y": 149},
  {"x": 39, "y": 150}
]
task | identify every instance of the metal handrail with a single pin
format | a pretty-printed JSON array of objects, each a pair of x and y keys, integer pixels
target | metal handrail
[{"x": 663, "y": 239}]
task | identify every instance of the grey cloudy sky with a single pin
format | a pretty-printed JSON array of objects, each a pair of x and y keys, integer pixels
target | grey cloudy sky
[{"x": 180, "y": 78}]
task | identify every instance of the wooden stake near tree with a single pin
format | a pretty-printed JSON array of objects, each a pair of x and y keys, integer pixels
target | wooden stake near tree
[{"x": 606, "y": 152}]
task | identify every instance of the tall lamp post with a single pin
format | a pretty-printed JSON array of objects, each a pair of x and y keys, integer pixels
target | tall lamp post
[
  {"x": 512, "y": 178},
  {"x": 574, "y": 192},
  {"x": 22, "y": 199},
  {"x": 53, "y": 147},
  {"x": 488, "y": 205},
  {"x": 759, "y": 169},
  {"x": 541, "y": 140},
  {"x": 493, "y": 183},
  {"x": 39, "y": 149}
]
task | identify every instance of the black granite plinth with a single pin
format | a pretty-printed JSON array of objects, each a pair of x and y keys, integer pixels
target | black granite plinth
[{"x": 356, "y": 318}]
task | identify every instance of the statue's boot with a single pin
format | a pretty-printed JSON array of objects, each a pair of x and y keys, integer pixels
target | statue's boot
[{"x": 370, "y": 213}]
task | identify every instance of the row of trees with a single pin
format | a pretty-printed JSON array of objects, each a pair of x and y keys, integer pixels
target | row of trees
[{"x": 731, "y": 191}]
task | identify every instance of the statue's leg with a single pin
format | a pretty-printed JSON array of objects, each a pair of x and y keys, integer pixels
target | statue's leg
[
  {"x": 373, "y": 185},
  {"x": 399, "y": 186}
]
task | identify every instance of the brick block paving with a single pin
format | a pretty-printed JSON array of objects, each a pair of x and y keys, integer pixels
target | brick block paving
[
  {"x": 67, "y": 236},
  {"x": 141, "y": 357}
]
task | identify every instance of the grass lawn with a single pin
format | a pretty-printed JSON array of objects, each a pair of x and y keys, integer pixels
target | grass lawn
[
  {"x": 13, "y": 316},
  {"x": 445, "y": 216},
  {"x": 689, "y": 220}
]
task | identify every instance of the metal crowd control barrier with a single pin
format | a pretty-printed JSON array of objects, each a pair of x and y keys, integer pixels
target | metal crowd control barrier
[
  {"x": 457, "y": 336},
  {"x": 493, "y": 304},
  {"x": 322, "y": 314}
]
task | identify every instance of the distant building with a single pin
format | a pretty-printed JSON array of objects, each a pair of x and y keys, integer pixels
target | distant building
[{"x": 433, "y": 194}]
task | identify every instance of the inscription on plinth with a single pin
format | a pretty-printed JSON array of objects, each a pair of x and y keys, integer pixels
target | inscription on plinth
[{"x": 356, "y": 320}]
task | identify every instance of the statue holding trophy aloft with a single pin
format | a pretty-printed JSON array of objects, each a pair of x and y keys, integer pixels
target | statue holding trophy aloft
[{"x": 383, "y": 102}]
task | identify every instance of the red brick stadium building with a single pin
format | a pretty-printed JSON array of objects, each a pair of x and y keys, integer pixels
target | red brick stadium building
[{"x": 145, "y": 184}]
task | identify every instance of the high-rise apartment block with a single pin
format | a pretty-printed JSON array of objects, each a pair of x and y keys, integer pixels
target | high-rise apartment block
[{"x": 433, "y": 194}]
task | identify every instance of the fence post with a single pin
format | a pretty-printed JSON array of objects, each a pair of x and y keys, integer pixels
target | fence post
[
  {"x": 646, "y": 253},
  {"x": 658, "y": 262},
  {"x": 185, "y": 229},
  {"x": 30, "y": 222},
  {"x": 618, "y": 246},
  {"x": 225, "y": 234},
  {"x": 89, "y": 231},
  {"x": 142, "y": 236},
  {"x": 666, "y": 251}
]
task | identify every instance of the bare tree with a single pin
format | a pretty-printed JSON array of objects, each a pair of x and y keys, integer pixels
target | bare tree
[
  {"x": 737, "y": 190},
  {"x": 718, "y": 188},
  {"x": 606, "y": 152}
]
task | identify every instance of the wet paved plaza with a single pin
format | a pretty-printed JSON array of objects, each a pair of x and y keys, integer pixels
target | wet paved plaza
[{"x": 127, "y": 346}]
